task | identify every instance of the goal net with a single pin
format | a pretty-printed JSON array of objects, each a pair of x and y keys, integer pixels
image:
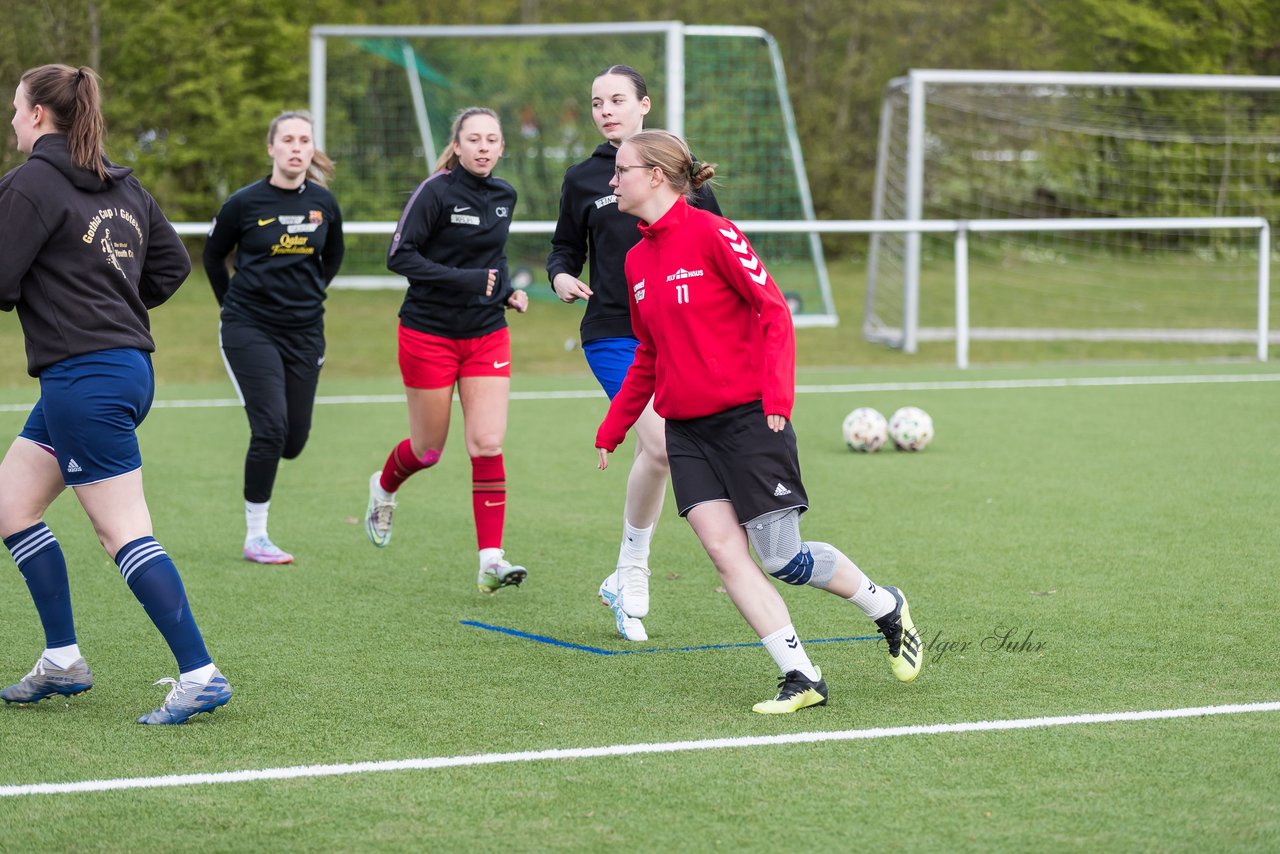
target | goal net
[
  {"x": 383, "y": 99},
  {"x": 973, "y": 145}
]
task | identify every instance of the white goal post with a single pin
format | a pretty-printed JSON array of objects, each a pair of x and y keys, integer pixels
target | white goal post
[
  {"x": 1006, "y": 145},
  {"x": 383, "y": 97}
]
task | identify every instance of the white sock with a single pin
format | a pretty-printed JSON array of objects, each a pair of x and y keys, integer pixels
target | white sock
[
  {"x": 489, "y": 557},
  {"x": 63, "y": 656},
  {"x": 873, "y": 599},
  {"x": 255, "y": 520},
  {"x": 788, "y": 653},
  {"x": 635, "y": 545},
  {"x": 200, "y": 674}
]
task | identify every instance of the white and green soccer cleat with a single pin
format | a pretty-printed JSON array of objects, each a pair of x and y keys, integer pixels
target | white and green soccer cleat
[
  {"x": 378, "y": 516},
  {"x": 795, "y": 692},
  {"x": 500, "y": 573},
  {"x": 905, "y": 649}
]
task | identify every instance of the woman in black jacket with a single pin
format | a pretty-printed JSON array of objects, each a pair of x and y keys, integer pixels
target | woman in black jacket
[
  {"x": 591, "y": 228},
  {"x": 450, "y": 243},
  {"x": 287, "y": 233},
  {"x": 87, "y": 254}
]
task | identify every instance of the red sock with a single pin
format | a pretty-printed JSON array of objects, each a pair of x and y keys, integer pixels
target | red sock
[
  {"x": 489, "y": 500},
  {"x": 401, "y": 463}
]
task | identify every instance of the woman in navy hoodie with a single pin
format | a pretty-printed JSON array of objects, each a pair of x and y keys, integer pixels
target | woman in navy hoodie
[
  {"x": 87, "y": 254},
  {"x": 591, "y": 228}
]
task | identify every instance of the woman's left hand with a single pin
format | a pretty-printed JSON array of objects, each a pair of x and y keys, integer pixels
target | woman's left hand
[
  {"x": 775, "y": 422},
  {"x": 519, "y": 300}
]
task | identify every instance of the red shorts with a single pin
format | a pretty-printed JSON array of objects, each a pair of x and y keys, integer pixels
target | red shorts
[{"x": 430, "y": 361}]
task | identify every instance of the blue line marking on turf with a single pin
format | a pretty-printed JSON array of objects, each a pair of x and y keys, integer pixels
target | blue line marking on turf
[{"x": 595, "y": 650}]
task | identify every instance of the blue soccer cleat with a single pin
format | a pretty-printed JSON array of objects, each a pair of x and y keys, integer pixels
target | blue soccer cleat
[
  {"x": 47, "y": 679},
  {"x": 187, "y": 699}
]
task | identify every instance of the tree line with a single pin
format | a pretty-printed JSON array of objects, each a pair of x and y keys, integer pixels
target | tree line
[{"x": 190, "y": 86}]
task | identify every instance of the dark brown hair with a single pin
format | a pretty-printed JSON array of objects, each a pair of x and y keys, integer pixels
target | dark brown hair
[
  {"x": 73, "y": 100},
  {"x": 636, "y": 78}
]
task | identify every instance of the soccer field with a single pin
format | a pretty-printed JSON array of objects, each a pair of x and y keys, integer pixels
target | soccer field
[{"x": 1093, "y": 540}]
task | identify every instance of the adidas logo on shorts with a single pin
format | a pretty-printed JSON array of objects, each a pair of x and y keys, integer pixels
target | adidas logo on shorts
[
  {"x": 73, "y": 467},
  {"x": 780, "y": 491}
]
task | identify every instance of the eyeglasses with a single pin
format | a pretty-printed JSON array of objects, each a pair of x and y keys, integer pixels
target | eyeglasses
[{"x": 618, "y": 171}]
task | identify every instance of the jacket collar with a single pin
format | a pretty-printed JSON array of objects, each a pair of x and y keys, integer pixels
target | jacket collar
[{"x": 669, "y": 223}]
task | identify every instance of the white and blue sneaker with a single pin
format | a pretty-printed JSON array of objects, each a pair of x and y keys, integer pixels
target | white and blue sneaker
[
  {"x": 47, "y": 679},
  {"x": 614, "y": 592},
  {"x": 187, "y": 699}
]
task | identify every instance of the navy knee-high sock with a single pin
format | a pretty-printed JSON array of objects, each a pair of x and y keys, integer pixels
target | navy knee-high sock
[
  {"x": 155, "y": 583},
  {"x": 39, "y": 559}
]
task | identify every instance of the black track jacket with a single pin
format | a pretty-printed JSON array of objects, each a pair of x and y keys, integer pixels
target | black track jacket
[
  {"x": 452, "y": 232},
  {"x": 590, "y": 226}
]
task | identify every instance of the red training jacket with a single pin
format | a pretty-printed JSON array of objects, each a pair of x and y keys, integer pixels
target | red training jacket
[{"x": 714, "y": 330}]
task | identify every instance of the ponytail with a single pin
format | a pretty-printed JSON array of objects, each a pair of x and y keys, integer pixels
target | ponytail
[{"x": 74, "y": 102}]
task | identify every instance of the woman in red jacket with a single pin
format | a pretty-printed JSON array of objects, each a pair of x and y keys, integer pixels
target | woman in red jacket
[{"x": 717, "y": 352}]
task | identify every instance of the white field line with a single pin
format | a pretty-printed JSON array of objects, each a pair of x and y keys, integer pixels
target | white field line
[
  {"x": 851, "y": 388},
  {"x": 307, "y": 771}
]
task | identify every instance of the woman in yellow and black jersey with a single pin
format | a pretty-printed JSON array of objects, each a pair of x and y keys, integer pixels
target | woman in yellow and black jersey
[{"x": 287, "y": 234}]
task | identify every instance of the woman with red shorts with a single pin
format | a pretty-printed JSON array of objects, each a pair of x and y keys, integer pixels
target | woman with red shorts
[{"x": 450, "y": 244}]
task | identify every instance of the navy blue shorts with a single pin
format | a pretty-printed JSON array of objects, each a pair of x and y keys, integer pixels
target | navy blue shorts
[
  {"x": 609, "y": 359},
  {"x": 89, "y": 409}
]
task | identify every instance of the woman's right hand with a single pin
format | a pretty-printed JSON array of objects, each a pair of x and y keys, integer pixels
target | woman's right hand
[
  {"x": 569, "y": 288},
  {"x": 493, "y": 278}
]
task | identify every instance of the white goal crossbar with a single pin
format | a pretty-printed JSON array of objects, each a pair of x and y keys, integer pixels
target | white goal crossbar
[{"x": 961, "y": 230}]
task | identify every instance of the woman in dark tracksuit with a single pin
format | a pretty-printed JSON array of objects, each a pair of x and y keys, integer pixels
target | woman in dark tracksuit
[
  {"x": 287, "y": 233},
  {"x": 590, "y": 227},
  {"x": 87, "y": 252}
]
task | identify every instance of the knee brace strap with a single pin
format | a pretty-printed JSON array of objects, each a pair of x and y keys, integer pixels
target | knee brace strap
[{"x": 799, "y": 570}]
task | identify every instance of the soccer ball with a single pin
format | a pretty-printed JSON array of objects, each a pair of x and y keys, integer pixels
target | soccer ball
[
  {"x": 865, "y": 430},
  {"x": 911, "y": 429}
]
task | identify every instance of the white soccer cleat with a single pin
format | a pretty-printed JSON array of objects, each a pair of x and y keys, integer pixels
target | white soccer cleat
[
  {"x": 378, "y": 516},
  {"x": 634, "y": 594},
  {"x": 500, "y": 573},
  {"x": 629, "y": 626}
]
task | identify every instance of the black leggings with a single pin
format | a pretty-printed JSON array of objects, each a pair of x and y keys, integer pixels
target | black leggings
[{"x": 275, "y": 372}]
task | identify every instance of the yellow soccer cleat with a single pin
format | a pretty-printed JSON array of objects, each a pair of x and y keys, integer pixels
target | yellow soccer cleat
[
  {"x": 905, "y": 656},
  {"x": 795, "y": 692}
]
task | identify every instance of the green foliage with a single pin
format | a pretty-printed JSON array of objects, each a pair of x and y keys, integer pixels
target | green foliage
[{"x": 190, "y": 86}]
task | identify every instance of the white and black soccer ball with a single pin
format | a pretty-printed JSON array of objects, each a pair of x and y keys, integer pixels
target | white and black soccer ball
[
  {"x": 865, "y": 430},
  {"x": 911, "y": 429}
]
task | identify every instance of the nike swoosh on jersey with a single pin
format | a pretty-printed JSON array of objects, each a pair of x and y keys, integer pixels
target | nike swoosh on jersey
[
  {"x": 457, "y": 209},
  {"x": 263, "y": 222},
  {"x": 501, "y": 364}
]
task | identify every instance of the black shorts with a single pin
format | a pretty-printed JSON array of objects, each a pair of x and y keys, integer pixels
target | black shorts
[{"x": 734, "y": 456}]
